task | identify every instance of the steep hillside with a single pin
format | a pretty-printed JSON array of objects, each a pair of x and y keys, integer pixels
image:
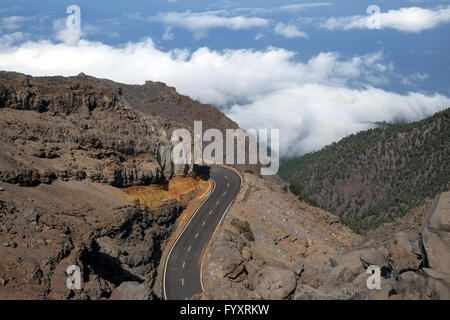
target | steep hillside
[
  {"x": 377, "y": 175},
  {"x": 273, "y": 246}
]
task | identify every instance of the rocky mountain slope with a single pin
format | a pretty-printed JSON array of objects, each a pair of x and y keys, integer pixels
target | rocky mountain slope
[
  {"x": 297, "y": 251},
  {"x": 67, "y": 145},
  {"x": 377, "y": 175}
]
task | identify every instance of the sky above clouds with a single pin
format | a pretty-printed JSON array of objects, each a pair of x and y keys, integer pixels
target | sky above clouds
[{"x": 313, "y": 69}]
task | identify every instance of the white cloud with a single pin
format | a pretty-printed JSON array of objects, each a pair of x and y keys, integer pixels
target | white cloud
[
  {"x": 69, "y": 36},
  {"x": 199, "y": 23},
  {"x": 413, "y": 79},
  {"x": 314, "y": 102},
  {"x": 314, "y": 115},
  {"x": 292, "y": 8},
  {"x": 168, "y": 34},
  {"x": 7, "y": 40},
  {"x": 410, "y": 19},
  {"x": 11, "y": 23},
  {"x": 289, "y": 31}
]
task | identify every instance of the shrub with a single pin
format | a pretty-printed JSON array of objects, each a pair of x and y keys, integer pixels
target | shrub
[{"x": 244, "y": 228}]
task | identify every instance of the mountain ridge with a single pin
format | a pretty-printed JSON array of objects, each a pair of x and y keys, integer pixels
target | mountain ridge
[{"x": 377, "y": 175}]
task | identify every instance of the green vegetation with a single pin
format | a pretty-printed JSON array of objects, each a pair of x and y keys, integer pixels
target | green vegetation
[
  {"x": 377, "y": 175},
  {"x": 250, "y": 171},
  {"x": 244, "y": 228}
]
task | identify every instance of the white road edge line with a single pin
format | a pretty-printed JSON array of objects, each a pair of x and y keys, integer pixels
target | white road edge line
[{"x": 184, "y": 229}]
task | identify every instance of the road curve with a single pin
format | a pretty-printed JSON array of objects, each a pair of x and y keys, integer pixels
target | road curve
[{"x": 182, "y": 274}]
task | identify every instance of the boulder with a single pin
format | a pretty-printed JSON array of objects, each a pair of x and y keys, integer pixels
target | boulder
[
  {"x": 378, "y": 257},
  {"x": 132, "y": 290},
  {"x": 410, "y": 286},
  {"x": 348, "y": 266},
  {"x": 401, "y": 255},
  {"x": 436, "y": 236},
  {"x": 31, "y": 214},
  {"x": 274, "y": 283},
  {"x": 438, "y": 284},
  {"x": 232, "y": 255}
]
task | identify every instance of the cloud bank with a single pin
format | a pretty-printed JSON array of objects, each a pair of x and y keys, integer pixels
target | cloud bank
[
  {"x": 289, "y": 31},
  {"x": 291, "y": 8},
  {"x": 199, "y": 23},
  {"x": 411, "y": 19},
  {"x": 313, "y": 102}
]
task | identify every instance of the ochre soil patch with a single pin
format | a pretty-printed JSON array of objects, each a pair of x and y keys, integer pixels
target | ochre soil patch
[{"x": 179, "y": 188}]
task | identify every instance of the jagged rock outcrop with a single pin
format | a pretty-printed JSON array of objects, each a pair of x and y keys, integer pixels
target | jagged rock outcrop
[{"x": 82, "y": 127}]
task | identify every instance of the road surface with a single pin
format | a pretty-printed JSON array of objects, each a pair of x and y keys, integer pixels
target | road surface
[{"x": 182, "y": 274}]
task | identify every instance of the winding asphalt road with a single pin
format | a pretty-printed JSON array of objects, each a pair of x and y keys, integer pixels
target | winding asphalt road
[{"x": 182, "y": 273}]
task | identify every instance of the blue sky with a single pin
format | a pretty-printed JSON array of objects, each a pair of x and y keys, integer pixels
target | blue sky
[{"x": 254, "y": 60}]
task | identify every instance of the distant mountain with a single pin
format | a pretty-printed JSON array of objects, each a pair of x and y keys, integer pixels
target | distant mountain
[{"x": 377, "y": 175}]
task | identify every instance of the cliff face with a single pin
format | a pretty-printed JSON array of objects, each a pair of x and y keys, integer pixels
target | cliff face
[{"x": 77, "y": 128}]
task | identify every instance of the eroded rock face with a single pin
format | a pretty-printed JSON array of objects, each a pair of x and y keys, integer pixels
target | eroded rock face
[
  {"x": 81, "y": 127},
  {"x": 49, "y": 228}
]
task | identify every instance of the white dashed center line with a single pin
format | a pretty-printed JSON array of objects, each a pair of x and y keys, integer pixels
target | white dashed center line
[
  {"x": 189, "y": 249},
  {"x": 203, "y": 223},
  {"x": 182, "y": 282},
  {"x": 217, "y": 202},
  {"x": 210, "y": 212},
  {"x": 184, "y": 263},
  {"x": 225, "y": 193},
  {"x": 196, "y": 235}
]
